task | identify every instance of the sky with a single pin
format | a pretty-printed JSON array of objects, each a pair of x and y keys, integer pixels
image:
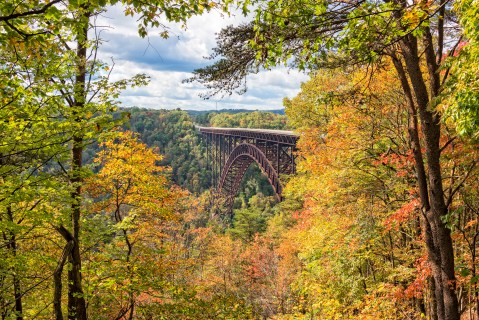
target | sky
[{"x": 170, "y": 61}]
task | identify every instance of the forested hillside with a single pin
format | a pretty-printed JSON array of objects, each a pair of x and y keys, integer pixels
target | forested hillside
[
  {"x": 108, "y": 212},
  {"x": 174, "y": 134}
]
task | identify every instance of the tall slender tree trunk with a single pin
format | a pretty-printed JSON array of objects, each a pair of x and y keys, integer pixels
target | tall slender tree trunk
[
  {"x": 437, "y": 235},
  {"x": 17, "y": 289},
  {"x": 421, "y": 176},
  {"x": 76, "y": 300},
  {"x": 57, "y": 275}
]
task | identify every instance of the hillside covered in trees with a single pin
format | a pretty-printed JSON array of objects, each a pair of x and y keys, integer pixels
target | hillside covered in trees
[{"x": 109, "y": 212}]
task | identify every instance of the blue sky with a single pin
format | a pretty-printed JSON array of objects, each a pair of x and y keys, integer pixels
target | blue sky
[{"x": 170, "y": 61}]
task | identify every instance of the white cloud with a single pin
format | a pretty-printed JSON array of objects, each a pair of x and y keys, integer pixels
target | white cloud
[{"x": 168, "y": 62}]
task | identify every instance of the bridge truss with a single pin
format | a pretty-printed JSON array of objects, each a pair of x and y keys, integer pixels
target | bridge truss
[{"x": 230, "y": 151}]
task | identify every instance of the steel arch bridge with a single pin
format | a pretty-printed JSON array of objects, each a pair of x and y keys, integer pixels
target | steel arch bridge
[{"x": 230, "y": 151}]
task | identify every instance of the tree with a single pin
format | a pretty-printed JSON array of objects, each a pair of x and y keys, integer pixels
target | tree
[
  {"x": 132, "y": 191},
  {"x": 357, "y": 234},
  {"x": 251, "y": 219},
  {"x": 461, "y": 91},
  {"x": 331, "y": 33},
  {"x": 57, "y": 98}
]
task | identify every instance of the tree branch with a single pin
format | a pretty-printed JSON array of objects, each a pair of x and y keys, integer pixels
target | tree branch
[{"x": 30, "y": 12}]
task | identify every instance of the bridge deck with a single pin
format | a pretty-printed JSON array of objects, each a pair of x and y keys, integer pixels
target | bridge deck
[{"x": 281, "y": 136}]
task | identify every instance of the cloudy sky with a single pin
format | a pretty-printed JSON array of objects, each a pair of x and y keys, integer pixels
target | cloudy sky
[{"x": 170, "y": 61}]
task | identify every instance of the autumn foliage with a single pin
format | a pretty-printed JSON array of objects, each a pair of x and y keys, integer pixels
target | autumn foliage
[{"x": 381, "y": 220}]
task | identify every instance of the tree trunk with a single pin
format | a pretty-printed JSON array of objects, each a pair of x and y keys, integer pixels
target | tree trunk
[
  {"x": 57, "y": 275},
  {"x": 413, "y": 130},
  {"x": 76, "y": 300},
  {"x": 437, "y": 235},
  {"x": 17, "y": 289}
]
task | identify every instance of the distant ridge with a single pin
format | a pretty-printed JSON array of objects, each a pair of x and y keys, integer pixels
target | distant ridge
[{"x": 198, "y": 112}]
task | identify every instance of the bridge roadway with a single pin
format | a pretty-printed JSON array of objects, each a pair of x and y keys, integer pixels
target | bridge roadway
[
  {"x": 230, "y": 151},
  {"x": 278, "y": 136}
]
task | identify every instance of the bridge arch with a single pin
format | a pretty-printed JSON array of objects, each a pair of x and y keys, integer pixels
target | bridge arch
[
  {"x": 236, "y": 165},
  {"x": 230, "y": 151}
]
